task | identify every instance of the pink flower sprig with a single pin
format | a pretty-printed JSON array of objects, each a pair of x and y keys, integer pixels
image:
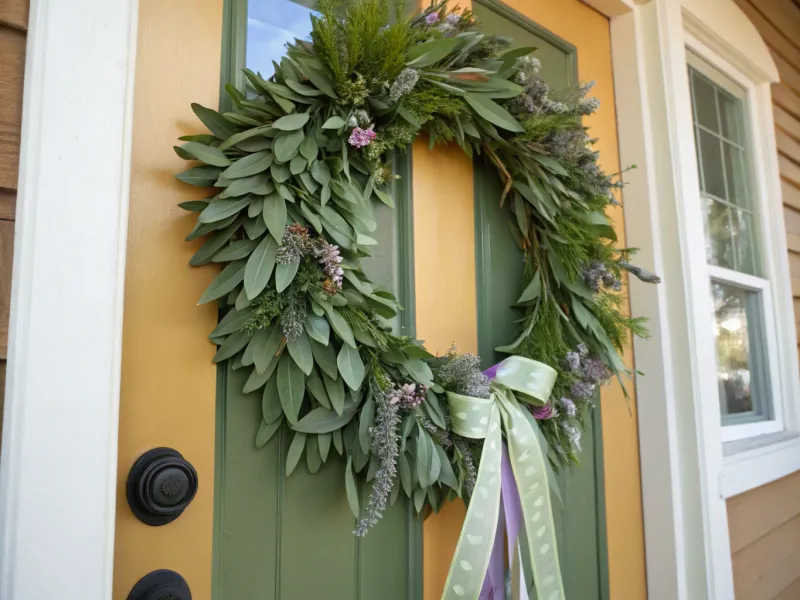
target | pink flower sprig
[{"x": 361, "y": 137}]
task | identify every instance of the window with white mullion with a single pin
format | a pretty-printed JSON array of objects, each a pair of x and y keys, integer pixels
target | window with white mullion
[{"x": 742, "y": 320}]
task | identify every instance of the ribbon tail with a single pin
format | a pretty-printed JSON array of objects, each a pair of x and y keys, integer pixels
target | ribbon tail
[
  {"x": 530, "y": 474},
  {"x": 494, "y": 582},
  {"x": 474, "y": 549},
  {"x": 513, "y": 516}
]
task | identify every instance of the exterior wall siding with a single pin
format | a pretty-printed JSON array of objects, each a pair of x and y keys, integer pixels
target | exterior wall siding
[
  {"x": 13, "y": 26},
  {"x": 765, "y": 523}
]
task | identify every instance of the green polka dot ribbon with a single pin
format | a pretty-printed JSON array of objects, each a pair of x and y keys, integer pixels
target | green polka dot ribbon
[{"x": 492, "y": 419}]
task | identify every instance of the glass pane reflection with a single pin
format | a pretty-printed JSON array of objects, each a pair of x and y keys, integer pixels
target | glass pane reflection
[
  {"x": 270, "y": 24},
  {"x": 740, "y": 356}
]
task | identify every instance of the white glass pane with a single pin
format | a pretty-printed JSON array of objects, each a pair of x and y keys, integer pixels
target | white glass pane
[
  {"x": 741, "y": 361},
  {"x": 270, "y": 24},
  {"x": 742, "y": 237},
  {"x": 731, "y": 117},
  {"x": 705, "y": 102},
  {"x": 719, "y": 234},
  {"x": 736, "y": 176},
  {"x": 711, "y": 164}
]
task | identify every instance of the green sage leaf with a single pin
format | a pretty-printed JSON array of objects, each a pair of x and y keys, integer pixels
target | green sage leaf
[
  {"x": 295, "y": 452},
  {"x": 284, "y": 275},
  {"x": 291, "y": 122},
  {"x": 252, "y": 164},
  {"x": 313, "y": 459},
  {"x": 244, "y": 185},
  {"x": 286, "y": 145},
  {"x": 493, "y": 112},
  {"x": 334, "y": 123},
  {"x": 291, "y": 387},
  {"x": 231, "y": 322},
  {"x": 232, "y": 345},
  {"x": 236, "y": 250},
  {"x": 217, "y": 210},
  {"x": 335, "y": 389},
  {"x": 271, "y": 409},
  {"x": 275, "y": 216},
  {"x": 325, "y": 357},
  {"x": 365, "y": 423},
  {"x": 350, "y": 487},
  {"x": 259, "y": 267},
  {"x": 340, "y": 326},
  {"x": 300, "y": 350},
  {"x": 351, "y": 367},
  {"x": 229, "y": 278},
  {"x": 309, "y": 148},
  {"x": 203, "y": 176},
  {"x": 322, "y": 420},
  {"x": 207, "y": 154},
  {"x": 266, "y": 432},
  {"x": 215, "y": 122},
  {"x": 209, "y": 249},
  {"x": 318, "y": 328}
]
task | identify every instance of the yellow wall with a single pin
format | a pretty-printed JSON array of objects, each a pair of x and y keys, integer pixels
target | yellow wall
[
  {"x": 444, "y": 250},
  {"x": 168, "y": 381}
]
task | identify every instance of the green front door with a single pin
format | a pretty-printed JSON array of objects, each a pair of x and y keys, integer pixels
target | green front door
[
  {"x": 279, "y": 538},
  {"x": 291, "y": 538},
  {"x": 579, "y": 513}
]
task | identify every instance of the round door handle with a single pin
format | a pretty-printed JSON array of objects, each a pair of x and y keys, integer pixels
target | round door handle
[
  {"x": 161, "y": 585},
  {"x": 161, "y": 484}
]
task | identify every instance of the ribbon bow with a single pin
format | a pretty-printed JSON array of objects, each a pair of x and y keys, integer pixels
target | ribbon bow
[{"x": 515, "y": 472}]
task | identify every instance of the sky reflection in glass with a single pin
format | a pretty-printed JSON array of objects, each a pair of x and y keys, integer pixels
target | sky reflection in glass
[{"x": 270, "y": 24}]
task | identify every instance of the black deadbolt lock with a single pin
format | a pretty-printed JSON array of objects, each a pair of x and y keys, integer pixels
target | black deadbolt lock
[
  {"x": 161, "y": 485},
  {"x": 161, "y": 585}
]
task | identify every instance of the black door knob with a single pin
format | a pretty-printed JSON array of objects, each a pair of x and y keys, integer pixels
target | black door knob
[
  {"x": 161, "y": 585},
  {"x": 161, "y": 485}
]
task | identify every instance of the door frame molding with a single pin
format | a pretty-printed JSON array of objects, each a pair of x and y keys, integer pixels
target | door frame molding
[{"x": 59, "y": 457}]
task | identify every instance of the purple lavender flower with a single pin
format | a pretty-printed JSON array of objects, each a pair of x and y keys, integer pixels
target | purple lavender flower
[
  {"x": 573, "y": 361},
  {"x": 386, "y": 447},
  {"x": 593, "y": 274},
  {"x": 594, "y": 370},
  {"x": 328, "y": 256},
  {"x": 574, "y": 436},
  {"x": 361, "y": 137},
  {"x": 432, "y": 18},
  {"x": 452, "y": 18},
  {"x": 582, "y": 390},
  {"x": 545, "y": 412},
  {"x": 569, "y": 407},
  {"x": 407, "y": 396},
  {"x": 583, "y": 349}
]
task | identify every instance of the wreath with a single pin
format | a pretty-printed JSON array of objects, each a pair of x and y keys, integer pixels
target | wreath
[{"x": 297, "y": 165}]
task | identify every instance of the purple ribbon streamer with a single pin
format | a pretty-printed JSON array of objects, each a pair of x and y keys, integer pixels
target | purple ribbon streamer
[{"x": 509, "y": 526}]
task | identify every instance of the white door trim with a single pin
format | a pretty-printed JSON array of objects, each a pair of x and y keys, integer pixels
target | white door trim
[{"x": 58, "y": 471}]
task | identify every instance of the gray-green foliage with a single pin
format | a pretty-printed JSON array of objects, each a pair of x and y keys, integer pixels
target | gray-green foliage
[{"x": 296, "y": 167}]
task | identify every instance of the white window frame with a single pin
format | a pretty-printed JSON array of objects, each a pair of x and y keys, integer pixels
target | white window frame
[
  {"x": 774, "y": 423},
  {"x": 771, "y": 254}
]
